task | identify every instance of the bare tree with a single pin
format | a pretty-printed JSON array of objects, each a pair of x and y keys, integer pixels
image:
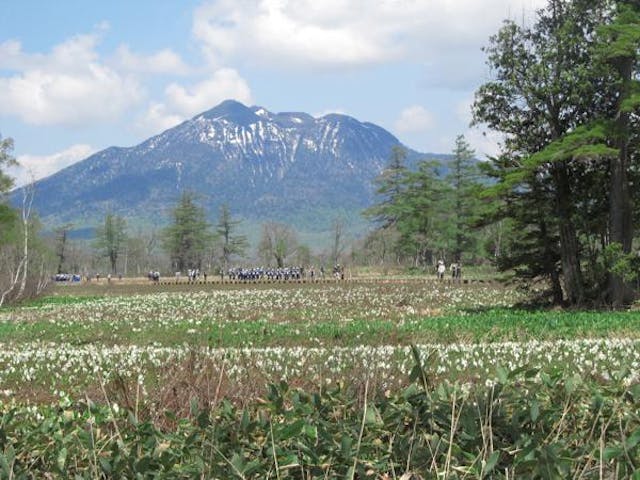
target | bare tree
[
  {"x": 231, "y": 243},
  {"x": 62, "y": 235},
  {"x": 338, "y": 246},
  {"x": 278, "y": 242},
  {"x": 18, "y": 264}
]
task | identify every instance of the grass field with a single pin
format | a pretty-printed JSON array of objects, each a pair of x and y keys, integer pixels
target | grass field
[
  {"x": 82, "y": 338},
  {"x": 406, "y": 378}
]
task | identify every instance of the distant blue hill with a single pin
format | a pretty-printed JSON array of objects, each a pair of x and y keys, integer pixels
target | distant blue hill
[{"x": 288, "y": 167}]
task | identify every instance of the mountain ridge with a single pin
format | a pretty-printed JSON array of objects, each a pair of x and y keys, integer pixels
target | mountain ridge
[{"x": 288, "y": 166}]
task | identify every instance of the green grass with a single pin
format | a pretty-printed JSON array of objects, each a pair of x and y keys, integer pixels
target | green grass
[
  {"x": 51, "y": 300},
  {"x": 488, "y": 326},
  {"x": 295, "y": 318}
]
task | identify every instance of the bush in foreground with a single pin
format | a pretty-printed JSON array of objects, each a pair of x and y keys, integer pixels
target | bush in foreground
[{"x": 530, "y": 424}]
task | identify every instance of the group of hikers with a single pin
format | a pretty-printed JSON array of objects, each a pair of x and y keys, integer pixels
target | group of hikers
[
  {"x": 455, "y": 269},
  {"x": 262, "y": 273},
  {"x": 270, "y": 273},
  {"x": 153, "y": 275},
  {"x": 283, "y": 273},
  {"x": 259, "y": 273}
]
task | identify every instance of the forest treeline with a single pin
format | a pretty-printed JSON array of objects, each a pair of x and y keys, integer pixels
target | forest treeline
[{"x": 557, "y": 204}]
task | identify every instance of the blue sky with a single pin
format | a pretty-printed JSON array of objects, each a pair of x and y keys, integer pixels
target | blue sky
[{"x": 79, "y": 76}]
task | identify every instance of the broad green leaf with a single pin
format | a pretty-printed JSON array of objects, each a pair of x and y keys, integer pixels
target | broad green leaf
[
  {"x": 244, "y": 422},
  {"x": 194, "y": 407},
  {"x": 311, "y": 431},
  {"x": 503, "y": 374},
  {"x": 61, "y": 459},
  {"x": 633, "y": 440},
  {"x": 105, "y": 465},
  {"x": 491, "y": 463},
  {"x": 534, "y": 410},
  {"x": 345, "y": 446},
  {"x": 290, "y": 431},
  {"x": 373, "y": 417},
  {"x": 612, "y": 452},
  {"x": 238, "y": 462}
]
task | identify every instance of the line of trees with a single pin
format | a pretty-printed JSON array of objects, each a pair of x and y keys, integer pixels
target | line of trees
[
  {"x": 424, "y": 215},
  {"x": 189, "y": 241}
]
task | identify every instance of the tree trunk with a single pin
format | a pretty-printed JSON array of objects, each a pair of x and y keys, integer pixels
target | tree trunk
[
  {"x": 569, "y": 255},
  {"x": 550, "y": 266},
  {"x": 620, "y": 216}
]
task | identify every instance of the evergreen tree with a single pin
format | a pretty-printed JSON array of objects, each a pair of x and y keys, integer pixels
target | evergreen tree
[
  {"x": 186, "y": 238},
  {"x": 61, "y": 240},
  {"x": 391, "y": 184},
  {"x": 338, "y": 243},
  {"x": 546, "y": 85},
  {"x": 420, "y": 214},
  {"x": 424, "y": 230},
  {"x": 618, "y": 47},
  {"x": 463, "y": 182}
]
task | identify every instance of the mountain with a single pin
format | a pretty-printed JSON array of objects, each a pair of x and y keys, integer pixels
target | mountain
[{"x": 288, "y": 167}]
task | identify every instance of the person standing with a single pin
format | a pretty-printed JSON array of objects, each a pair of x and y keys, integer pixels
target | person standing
[
  {"x": 440, "y": 269},
  {"x": 454, "y": 270}
]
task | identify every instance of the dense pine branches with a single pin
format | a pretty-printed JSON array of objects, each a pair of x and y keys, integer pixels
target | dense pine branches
[
  {"x": 563, "y": 94},
  {"x": 423, "y": 215}
]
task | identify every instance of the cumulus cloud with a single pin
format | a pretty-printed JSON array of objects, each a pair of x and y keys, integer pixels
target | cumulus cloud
[
  {"x": 164, "y": 61},
  {"x": 35, "y": 167},
  {"x": 68, "y": 86},
  {"x": 486, "y": 143},
  {"x": 348, "y": 33},
  {"x": 221, "y": 85},
  {"x": 414, "y": 119},
  {"x": 182, "y": 102},
  {"x": 157, "y": 119}
]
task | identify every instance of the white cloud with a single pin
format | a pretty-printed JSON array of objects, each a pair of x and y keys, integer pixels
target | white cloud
[
  {"x": 183, "y": 102},
  {"x": 223, "y": 84},
  {"x": 463, "y": 110},
  {"x": 486, "y": 143},
  {"x": 414, "y": 119},
  {"x": 164, "y": 61},
  {"x": 68, "y": 86},
  {"x": 35, "y": 167},
  {"x": 349, "y": 33},
  {"x": 328, "y": 111},
  {"x": 11, "y": 55},
  {"x": 157, "y": 119}
]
